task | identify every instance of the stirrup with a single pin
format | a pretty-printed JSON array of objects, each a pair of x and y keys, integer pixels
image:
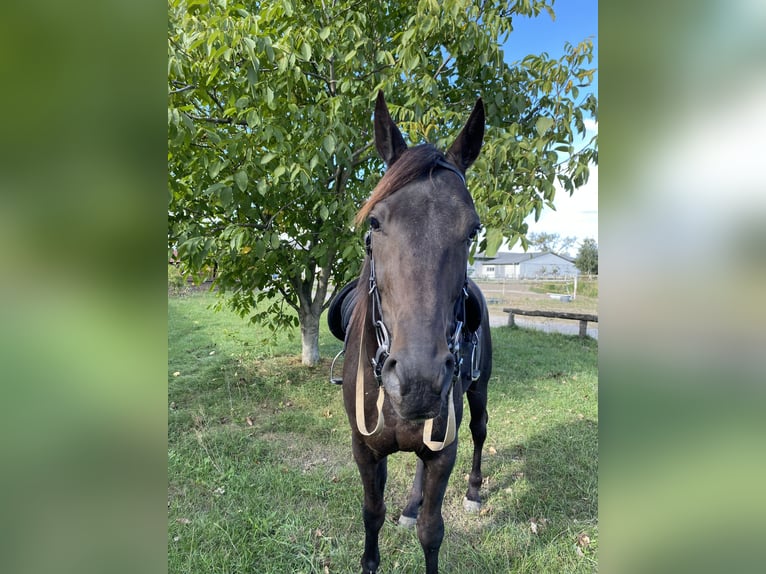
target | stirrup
[{"x": 336, "y": 380}]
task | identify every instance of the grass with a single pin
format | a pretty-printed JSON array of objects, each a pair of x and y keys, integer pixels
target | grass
[{"x": 261, "y": 477}]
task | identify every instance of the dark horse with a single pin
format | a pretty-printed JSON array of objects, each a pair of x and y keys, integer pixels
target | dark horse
[{"x": 415, "y": 328}]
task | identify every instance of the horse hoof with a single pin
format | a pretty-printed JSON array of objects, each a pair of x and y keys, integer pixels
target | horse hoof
[
  {"x": 407, "y": 521},
  {"x": 471, "y": 506}
]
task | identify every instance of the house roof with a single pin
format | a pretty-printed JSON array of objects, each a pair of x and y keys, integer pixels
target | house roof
[{"x": 506, "y": 258}]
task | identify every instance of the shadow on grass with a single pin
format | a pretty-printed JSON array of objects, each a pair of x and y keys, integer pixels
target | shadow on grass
[{"x": 560, "y": 467}]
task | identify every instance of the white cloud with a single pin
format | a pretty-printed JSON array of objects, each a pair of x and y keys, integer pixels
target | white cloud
[{"x": 575, "y": 215}]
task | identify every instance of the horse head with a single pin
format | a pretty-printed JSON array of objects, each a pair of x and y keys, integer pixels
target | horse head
[{"x": 422, "y": 220}]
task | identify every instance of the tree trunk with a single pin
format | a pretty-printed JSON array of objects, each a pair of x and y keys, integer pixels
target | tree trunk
[
  {"x": 310, "y": 309},
  {"x": 309, "y": 338}
]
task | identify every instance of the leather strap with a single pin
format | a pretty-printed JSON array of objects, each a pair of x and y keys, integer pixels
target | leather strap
[
  {"x": 449, "y": 435},
  {"x": 360, "y": 422}
]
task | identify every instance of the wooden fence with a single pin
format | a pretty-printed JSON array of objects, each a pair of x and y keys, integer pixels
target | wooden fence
[{"x": 584, "y": 318}]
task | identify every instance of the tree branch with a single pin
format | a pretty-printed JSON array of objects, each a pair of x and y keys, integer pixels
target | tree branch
[
  {"x": 223, "y": 121},
  {"x": 184, "y": 89},
  {"x": 286, "y": 298},
  {"x": 212, "y": 97},
  {"x": 441, "y": 66}
]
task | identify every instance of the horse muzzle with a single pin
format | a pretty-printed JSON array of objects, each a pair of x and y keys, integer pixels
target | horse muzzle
[{"x": 418, "y": 389}]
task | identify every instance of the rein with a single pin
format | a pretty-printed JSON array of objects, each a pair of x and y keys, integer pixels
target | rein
[{"x": 384, "y": 346}]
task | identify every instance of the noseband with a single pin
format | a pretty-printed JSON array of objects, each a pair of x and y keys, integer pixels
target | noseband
[{"x": 384, "y": 347}]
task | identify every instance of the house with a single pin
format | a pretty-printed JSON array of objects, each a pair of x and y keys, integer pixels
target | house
[{"x": 522, "y": 266}]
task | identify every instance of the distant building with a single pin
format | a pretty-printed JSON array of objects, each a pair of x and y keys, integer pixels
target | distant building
[{"x": 522, "y": 266}]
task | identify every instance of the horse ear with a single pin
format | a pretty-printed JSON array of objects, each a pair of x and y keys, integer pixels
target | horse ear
[
  {"x": 465, "y": 149},
  {"x": 388, "y": 139}
]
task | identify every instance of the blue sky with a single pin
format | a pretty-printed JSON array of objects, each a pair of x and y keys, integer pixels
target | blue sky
[{"x": 575, "y": 21}]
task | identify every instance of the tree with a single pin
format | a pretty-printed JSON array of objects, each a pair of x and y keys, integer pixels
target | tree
[
  {"x": 551, "y": 242},
  {"x": 587, "y": 257},
  {"x": 270, "y": 143}
]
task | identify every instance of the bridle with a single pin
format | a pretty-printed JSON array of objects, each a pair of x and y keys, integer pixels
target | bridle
[
  {"x": 382, "y": 353},
  {"x": 381, "y": 331}
]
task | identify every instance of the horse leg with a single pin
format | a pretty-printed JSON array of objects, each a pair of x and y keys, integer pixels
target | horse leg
[
  {"x": 477, "y": 401},
  {"x": 373, "y": 473},
  {"x": 430, "y": 522},
  {"x": 410, "y": 513}
]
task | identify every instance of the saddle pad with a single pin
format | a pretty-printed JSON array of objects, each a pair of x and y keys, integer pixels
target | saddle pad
[
  {"x": 341, "y": 308},
  {"x": 474, "y": 307}
]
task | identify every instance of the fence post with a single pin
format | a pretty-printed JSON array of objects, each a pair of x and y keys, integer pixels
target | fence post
[
  {"x": 511, "y": 322},
  {"x": 583, "y": 328}
]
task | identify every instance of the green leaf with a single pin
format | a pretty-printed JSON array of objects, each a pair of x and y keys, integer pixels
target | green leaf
[
  {"x": 214, "y": 188},
  {"x": 329, "y": 143},
  {"x": 215, "y": 168},
  {"x": 240, "y": 178},
  {"x": 306, "y": 51},
  {"x": 543, "y": 124},
  {"x": 279, "y": 170},
  {"x": 226, "y": 196},
  {"x": 324, "y": 213},
  {"x": 494, "y": 240}
]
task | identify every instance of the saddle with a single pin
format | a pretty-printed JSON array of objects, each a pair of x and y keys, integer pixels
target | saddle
[{"x": 342, "y": 307}]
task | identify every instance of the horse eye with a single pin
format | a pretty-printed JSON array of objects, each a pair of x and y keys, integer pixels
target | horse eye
[
  {"x": 374, "y": 224},
  {"x": 473, "y": 233}
]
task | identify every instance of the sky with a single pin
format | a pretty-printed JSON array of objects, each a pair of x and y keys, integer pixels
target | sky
[{"x": 576, "y": 20}]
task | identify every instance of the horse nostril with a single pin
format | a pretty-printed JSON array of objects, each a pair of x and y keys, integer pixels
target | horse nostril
[{"x": 450, "y": 364}]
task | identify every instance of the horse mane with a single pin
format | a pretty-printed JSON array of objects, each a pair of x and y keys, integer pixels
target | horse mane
[{"x": 413, "y": 164}]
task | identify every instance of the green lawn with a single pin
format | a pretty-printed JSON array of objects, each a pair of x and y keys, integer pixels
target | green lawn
[{"x": 261, "y": 477}]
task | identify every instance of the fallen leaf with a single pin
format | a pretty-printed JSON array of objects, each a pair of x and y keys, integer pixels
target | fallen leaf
[
  {"x": 211, "y": 353},
  {"x": 579, "y": 551},
  {"x": 318, "y": 533},
  {"x": 176, "y": 373},
  {"x": 492, "y": 450},
  {"x": 583, "y": 539},
  {"x": 249, "y": 421},
  {"x": 537, "y": 525},
  {"x": 183, "y": 520}
]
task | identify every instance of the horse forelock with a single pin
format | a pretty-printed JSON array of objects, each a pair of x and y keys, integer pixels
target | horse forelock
[{"x": 413, "y": 164}]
